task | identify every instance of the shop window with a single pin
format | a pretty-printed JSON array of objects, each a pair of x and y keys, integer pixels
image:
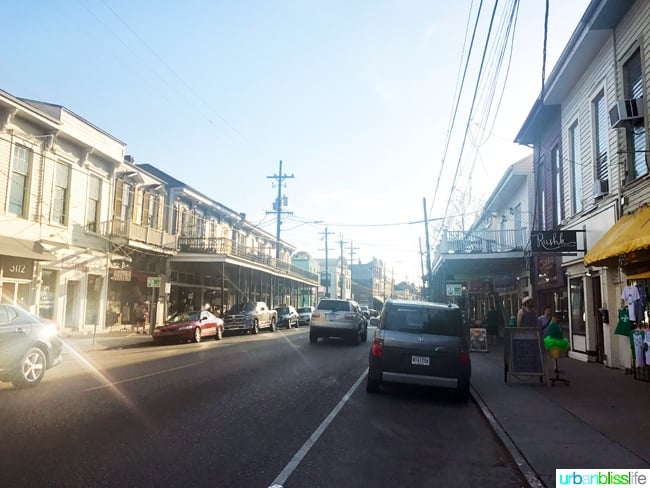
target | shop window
[
  {"x": 577, "y": 297},
  {"x": 93, "y": 294},
  {"x": 48, "y": 293}
]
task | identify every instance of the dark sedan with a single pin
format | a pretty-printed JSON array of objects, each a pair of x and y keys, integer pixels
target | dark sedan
[
  {"x": 189, "y": 326},
  {"x": 29, "y": 345},
  {"x": 287, "y": 317}
]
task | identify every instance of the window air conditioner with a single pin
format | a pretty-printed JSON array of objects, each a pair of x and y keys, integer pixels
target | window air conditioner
[
  {"x": 601, "y": 187},
  {"x": 626, "y": 111}
]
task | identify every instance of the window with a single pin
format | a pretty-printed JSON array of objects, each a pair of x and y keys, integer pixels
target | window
[
  {"x": 92, "y": 206},
  {"x": 424, "y": 320},
  {"x": 60, "y": 196},
  {"x": 18, "y": 190},
  {"x": 123, "y": 203},
  {"x": 601, "y": 128},
  {"x": 636, "y": 134},
  {"x": 576, "y": 168},
  {"x": 154, "y": 209},
  {"x": 558, "y": 208},
  {"x": 577, "y": 302}
]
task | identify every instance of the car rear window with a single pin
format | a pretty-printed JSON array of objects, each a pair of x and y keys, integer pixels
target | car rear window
[
  {"x": 304, "y": 309},
  {"x": 282, "y": 310},
  {"x": 423, "y": 320},
  {"x": 334, "y": 305}
]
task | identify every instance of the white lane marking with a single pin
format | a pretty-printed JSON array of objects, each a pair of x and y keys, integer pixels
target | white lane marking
[
  {"x": 302, "y": 452},
  {"x": 135, "y": 378}
]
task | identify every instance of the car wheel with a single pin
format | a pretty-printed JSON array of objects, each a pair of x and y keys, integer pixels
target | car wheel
[
  {"x": 31, "y": 370},
  {"x": 313, "y": 337},
  {"x": 197, "y": 335},
  {"x": 256, "y": 327},
  {"x": 462, "y": 392},
  {"x": 219, "y": 335},
  {"x": 273, "y": 327},
  {"x": 356, "y": 338},
  {"x": 373, "y": 386}
]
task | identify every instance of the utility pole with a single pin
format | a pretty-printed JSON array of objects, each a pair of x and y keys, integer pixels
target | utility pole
[
  {"x": 426, "y": 234},
  {"x": 422, "y": 292},
  {"x": 351, "y": 251},
  {"x": 342, "y": 279},
  {"x": 277, "y": 206},
  {"x": 327, "y": 273}
]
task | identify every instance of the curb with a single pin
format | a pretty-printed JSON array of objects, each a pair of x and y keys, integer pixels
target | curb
[{"x": 526, "y": 471}]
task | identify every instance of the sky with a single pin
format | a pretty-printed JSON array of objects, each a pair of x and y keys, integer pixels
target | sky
[{"x": 356, "y": 97}]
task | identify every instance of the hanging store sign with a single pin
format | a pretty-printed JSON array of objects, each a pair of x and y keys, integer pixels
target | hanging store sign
[
  {"x": 554, "y": 241},
  {"x": 153, "y": 282},
  {"x": 121, "y": 275}
]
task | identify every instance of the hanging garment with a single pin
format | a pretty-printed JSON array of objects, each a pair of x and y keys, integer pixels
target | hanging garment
[
  {"x": 638, "y": 339},
  {"x": 640, "y": 305},
  {"x": 630, "y": 295},
  {"x": 623, "y": 324},
  {"x": 646, "y": 347}
]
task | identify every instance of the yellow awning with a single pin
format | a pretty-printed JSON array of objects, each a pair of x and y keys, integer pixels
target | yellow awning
[{"x": 631, "y": 233}]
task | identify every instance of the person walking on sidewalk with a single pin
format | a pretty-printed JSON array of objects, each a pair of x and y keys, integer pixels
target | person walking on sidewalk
[
  {"x": 544, "y": 320},
  {"x": 527, "y": 315}
]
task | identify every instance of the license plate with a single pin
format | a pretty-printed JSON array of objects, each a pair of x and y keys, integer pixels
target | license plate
[{"x": 420, "y": 360}]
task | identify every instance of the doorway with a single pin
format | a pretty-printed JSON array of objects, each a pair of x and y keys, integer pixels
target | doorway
[
  {"x": 598, "y": 305},
  {"x": 72, "y": 305}
]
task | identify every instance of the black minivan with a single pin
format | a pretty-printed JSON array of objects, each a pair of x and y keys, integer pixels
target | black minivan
[{"x": 420, "y": 343}]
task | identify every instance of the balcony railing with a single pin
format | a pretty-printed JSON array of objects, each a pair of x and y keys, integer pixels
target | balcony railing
[
  {"x": 225, "y": 246},
  {"x": 483, "y": 241},
  {"x": 142, "y": 233}
]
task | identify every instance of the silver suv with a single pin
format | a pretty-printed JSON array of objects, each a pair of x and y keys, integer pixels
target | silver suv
[
  {"x": 338, "y": 318},
  {"x": 420, "y": 343}
]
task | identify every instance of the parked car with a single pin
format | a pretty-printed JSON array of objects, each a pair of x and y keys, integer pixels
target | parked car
[
  {"x": 373, "y": 312},
  {"x": 186, "y": 326},
  {"x": 250, "y": 317},
  {"x": 365, "y": 311},
  {"x": 304, "y": 315},
  {"x": 287, "y": 317},
  {"x": 29, "y": 345},
  {"x": 420, "y": 343},
  {"x": 338, "y": 318}
]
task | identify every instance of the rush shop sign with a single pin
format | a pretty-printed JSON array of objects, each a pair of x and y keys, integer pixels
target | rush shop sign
[{"x": 554, "y": 241}]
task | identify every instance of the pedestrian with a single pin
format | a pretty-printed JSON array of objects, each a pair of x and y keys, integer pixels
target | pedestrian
[
  {"x": 141, "y": 315},
  {"x": 544, "y": 320},
  {"x": 527, "y": 315}
]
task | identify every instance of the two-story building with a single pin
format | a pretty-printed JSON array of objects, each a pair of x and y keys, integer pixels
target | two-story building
[{"x": 589, "y": 133}]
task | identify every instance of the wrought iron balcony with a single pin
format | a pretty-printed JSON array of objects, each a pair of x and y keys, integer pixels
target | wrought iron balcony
[
  {"x": 483, "y": 241},
  {"x": 226, "y": 247}
]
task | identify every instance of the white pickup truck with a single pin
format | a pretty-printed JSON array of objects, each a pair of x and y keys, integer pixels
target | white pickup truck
[{"x": 250, "y": 317}]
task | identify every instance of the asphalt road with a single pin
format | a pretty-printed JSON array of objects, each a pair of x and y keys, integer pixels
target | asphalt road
[{"x": 247, "y": 411}]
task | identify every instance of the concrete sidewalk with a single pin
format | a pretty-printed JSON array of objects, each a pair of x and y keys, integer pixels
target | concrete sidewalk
[{"x": 600, "y": 420}]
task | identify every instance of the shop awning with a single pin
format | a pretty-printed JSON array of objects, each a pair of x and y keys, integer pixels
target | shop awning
[
  {"x": 21, "y": 248},
  {"x": 630, "y": 234}
]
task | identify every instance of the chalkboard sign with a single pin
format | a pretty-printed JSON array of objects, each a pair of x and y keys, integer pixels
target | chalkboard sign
[{"x": 524, "y": 352}]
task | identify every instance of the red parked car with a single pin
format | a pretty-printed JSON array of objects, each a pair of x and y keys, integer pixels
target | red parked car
[{"x": 189, "y": 326}]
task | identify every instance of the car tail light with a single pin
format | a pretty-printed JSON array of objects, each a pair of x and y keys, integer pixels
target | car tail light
[
  {"x": 315, "y": 314},
  {"x": 377, "y": 347},
  {"x": 349, "y": 316},
  {"x": 464, "y": 358}
]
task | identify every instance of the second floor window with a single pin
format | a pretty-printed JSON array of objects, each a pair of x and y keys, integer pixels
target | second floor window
[
  {"x": 576, "y": 168},
  {"x": 558, "y": 208},
  {"x": 19, "y": 189},
  {"x": 601, "y": 129},
  {"x": 60, "y": 194},
  {"x": 635, "y": 134},
  {"x": 92, "y": 205},
  {"x": 123, "y": 200}
]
